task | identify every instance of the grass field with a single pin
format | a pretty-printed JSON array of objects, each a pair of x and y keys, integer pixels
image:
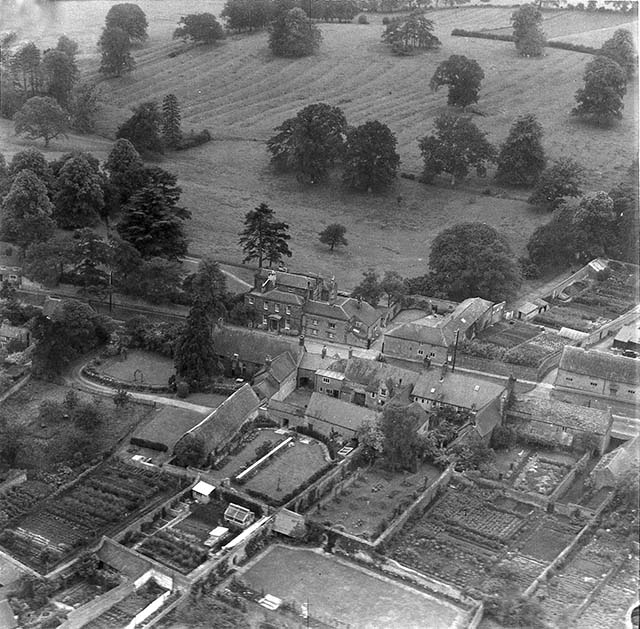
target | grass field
[
  {"x": 153, "y": 368},
  {"x": 341, "y": 593},
  {"x": 240, "y": 93}
]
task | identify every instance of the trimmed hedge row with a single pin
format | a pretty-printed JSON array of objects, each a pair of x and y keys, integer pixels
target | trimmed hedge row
[{"x": 461, "y": 32}]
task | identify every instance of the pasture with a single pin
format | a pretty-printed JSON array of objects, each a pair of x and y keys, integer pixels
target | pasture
[{"x": 240, "y": 93}]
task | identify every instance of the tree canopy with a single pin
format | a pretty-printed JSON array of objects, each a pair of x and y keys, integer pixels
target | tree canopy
[
  {"x": 247, "y": 15},
  {"x": 403, "y": 447},
  {"x": 457, "y": 146},
  {"x": 60, "y": 74},
  {"x": 370, "y": 157},
  {"x": 621, "y": 49},
  {"x": 208, "y": 287},
  {"x": 41, "y": 117},
  {"x": 130, "y": 18},
  {"x": 605, "y": 84},
  {"x": 171, "y": 133},
  {"x": 411, "y": 33},
  {"x": 83, "y": 107},
  {"x": 474, "y": 260},
  {"x": 143, "y": 129},
  {"x": 293, "y": 34},
  {"x": 463, "y": 76},
  {"x": 202, "y": 28},
  {"x": 125, "y": 169},
  {"x": 115, "y": 49},
  {"x": 310, "y": 143},
  {"x": 263, "y": 238},
  {"x": 333, "y": 235},
  {"x": 527, "y": 30},
  {"x": 561, "y": 179},
  {"x": 369, "y": 288},
  {"x": 521, "y": 159}
]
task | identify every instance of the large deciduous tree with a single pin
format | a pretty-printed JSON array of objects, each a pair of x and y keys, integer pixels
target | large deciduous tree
[
  {"x": 521, "y": 159},
  {"x": 79, "y": 197},
  {"x": 47, "y": 261},
  {"x": 31, "y": 159},
  {"x": 595, "y": 223},
  {"x": 333, "y": 235},
  {"x": 293, "y": 34},
  {"x": 411, "y": 33},
  {"x": 370, "y": 158},
  {"x": 26, "y": 211},
  {"x": 310, "y": 143},
  {"x": 130, "y": 18},
  {"x": 143, "y": 128},
  {"x": 153, "y": 221},
  {"x": 201, "y": 28},
  {"x": 474, "y": 260},
  {"x": 60, "y": 73},
  {"x": 562, "y": 179},
  {"x": 156, "y": 280},
  {"x": 115, "y": 50},
  {"x": 247, "y": 15},
  {"x": 621, "y": 49},
  {"x": 24, "y": 65},
  {"x": 369, "y": 288},
  {"x": 83, "y": 108},
  {"x": 463, "y": 76},
  {"x": 41, "y": 117},
  {"x": 605, "y": 84},
  {"x": 456, "y": 147},
  {"x": 263, "y": 238},
  {"x": 402, "y": 445},
  {"x": 527, "y": 30}
]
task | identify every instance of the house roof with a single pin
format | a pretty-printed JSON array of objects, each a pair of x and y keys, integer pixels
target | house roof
[
  {"x": 560, "y": 413},
  {"x": 282, "y": 366},
  {"x": 203, "y": 488},
  {"x": 621, "y": 460},
  {"x": 313, "y": 362},
  {"x": 268, "y": 380},
  {"x": 225, "y": 421},
  {"x": 468, "y": 312},
  {"x": 334, "y": 411},
  {"x": 51, "y": 304},
  {"x": 13, "y": 331},
  {"x": 280, "y": 296},
  {"x": 252, "y": 346},
  {"x": 456, "y": 389},
  {"x": 287, "y": 521},
  {"x": 344, "y": 310},
  {"x": 168, "y": 425},
  {"x": 7, "y": 618},
  {"x": 370, "y": 373},
  {"x": 600, "y": 365},
  {"x": 629, "y": 333},
  {"x": 436, "y": 334},
  {"x": 298, "y": 281}
]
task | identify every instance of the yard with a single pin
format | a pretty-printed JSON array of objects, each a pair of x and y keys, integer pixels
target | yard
[
  {"x": 342, "y": 594},
  {"x": 236, "y": 462},
  {"x": 281, "y": 475},
  {"x": 240, "y": 93},
  {"x": 51, "y": 443},
  {"x": 368, "y": 505},
  {"x": 138, "y": 366}
]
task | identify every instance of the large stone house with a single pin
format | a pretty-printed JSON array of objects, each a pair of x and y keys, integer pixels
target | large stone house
[
  {"x": 584, "y": 374},
  {"x": 328, "y": 415},
  {"x": 558, "y": 423}
]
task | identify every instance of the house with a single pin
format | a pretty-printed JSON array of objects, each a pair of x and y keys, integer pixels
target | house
[
  {"x": 278, "y": 298},
  {"x": 590, "y": 373},
  {"x": 341, "y": 320},
  {"x": 240, "y": 516},
  {"x": 243, "y": 352},
  {"x": 289, "y": 523},
  {"x": 202, "y": 491},
  {"x": 219, "y": 430},
  {"x": 310, "y": 363},
  {"x": 617, "y": 464},
  {"x": 484, "y": 399},
  {"x": 16, "y": 333},
  {"x": 364, "y": 382},
  {"x": 628, "y": 339},
  {"x": 473, "y": 315},
  {"x": 559, "y": 423},
  {"x": 277, "y": 379},
  {"x": 530, "y": 309},
  {"x": 329, "y": 415}
]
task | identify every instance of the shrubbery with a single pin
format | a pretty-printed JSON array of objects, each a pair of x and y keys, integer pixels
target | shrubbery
[{"x": 192, "y": 139}]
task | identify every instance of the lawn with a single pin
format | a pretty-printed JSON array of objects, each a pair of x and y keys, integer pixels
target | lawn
[
  {"x": 240, "y": 93},
  {"x": 339, "y": 593},
  {"x": 367, "y": 506},
  {"x": 52, "y": 443},
  {"x": 236, "y": 462},
  {"x": 288, "y": 469},
  {"x": 138, "y": 366}
]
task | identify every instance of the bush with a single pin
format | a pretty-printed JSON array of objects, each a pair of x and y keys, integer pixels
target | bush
[
  {"x": 182, "y": 389},
  {"x": 503, "y": 437},
  {"x": 386, "y": 20},
  {"x": 192, "y": 139},
  {"x": 362, "y": 19}
]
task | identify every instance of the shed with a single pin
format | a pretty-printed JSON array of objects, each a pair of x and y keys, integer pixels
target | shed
[
  {"x": 202, "y": 492},
  {"x": 240, "y": 516},
  {"x": 289, "y": 523}
]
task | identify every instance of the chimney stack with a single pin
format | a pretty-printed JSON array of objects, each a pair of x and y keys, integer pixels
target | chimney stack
[
  {"x": 301, "y": 340},
  {"x": 350, "y": 352},
  {"x": 267, "y": 361},
  {"x": 323, "y": 353}
]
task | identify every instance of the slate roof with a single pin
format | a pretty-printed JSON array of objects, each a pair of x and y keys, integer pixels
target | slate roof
[
  {"x": 469, "y": 311},
  {"x": 600, "y": 365},
  {"x": 280, "y": 296},
  {"x": 629, "y": 333},
  {"x": 225, "y": 421},
  {"x": 344, "y": 310},
  {"x": 293, "y": 280},
  {"x": 437, "y": 335},
  {"x": 370, "y": 373},
  {"x": 622, "y": 459},
  {"x": 169, "y": 425},
  {"x": 313, "y": 362},
  {"x": 337, "y": 412},
  {"x": 253, "y": 346},
  {"x": 267, "y": 381},
  {"x": 456, "y": 389},
  {"x": 13, "y": 331},
  {"x": 559, "y": 413}
]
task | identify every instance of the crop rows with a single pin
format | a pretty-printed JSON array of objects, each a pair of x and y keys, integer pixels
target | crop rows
[{"x": 176, "y": 549}]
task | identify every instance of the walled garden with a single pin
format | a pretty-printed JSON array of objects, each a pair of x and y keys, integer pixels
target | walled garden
[
  {"x": 176, "y": 549},
  {"x": 105, "y": 499},
  {"x": 137, "y": 366}
]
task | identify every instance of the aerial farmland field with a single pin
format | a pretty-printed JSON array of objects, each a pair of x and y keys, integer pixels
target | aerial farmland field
[{"x": 240, "y": 93}]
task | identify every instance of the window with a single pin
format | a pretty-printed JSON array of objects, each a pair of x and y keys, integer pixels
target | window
[
  {"x": 315, "y": 322},
  {"x": 264, "y": 320},
  {"x": 383, "y": 392},
  {"x": 373, "y": 394},
  {"x": 266, "y": 305},
  {"x": 276, "y": 307},
  {"x": 251, "y": 300},
  {"x": 331, "y": 335},
  {"x": 288, "y": 309},
  {"x": 568, "y": 379},
  {"x": 432, "y": 354},
  {"x": 314, "y": 332},
  {"x": 326, "y": 380},
  {"x": 13, "y": 278},
  {"x": 631, "y": 391},
  {"x": 420, "y": 352},
  {"x": 321, "y": 390},
  {"x": 593, "y": 384},
  {"x": 287, "y": 324},
  {"x": 332, "y": 326}
]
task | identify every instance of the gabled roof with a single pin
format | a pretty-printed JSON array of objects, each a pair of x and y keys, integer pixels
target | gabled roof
[
  {"x": 226, "y": 420},
  {"x": 469, "y": 311},
  {"x": 437, "y": 335},
  {"x": 313, "y": 362},
  {"x": 13, "y": 331},
  {"x": 7, "y": 618},
  {"x": 629, "y": 333},
  {"x": 282, "y": 366},
  {"x": 371, "y": 373},
  {"x": 280, "y": 296},
  {"x": 169, "y": 425},
  {"x": 559, "y": 413},
  {"x": 251, "y": 345},
  {"x": 203, "y": 488},
  {"x": 268, "y": 380},
  {"x": 334, "y": 411},
  {"x": 621, "y": 460},
  {"x": 345, "y": 309},
  {"x": 297, "y": 281},
  {"x": 600, "y": 365},
  {"x": 360, "y": 310},
  {"x": 456, "y": 389}
]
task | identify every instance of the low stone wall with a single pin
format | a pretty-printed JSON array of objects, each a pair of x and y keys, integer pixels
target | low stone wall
[
  {"x": 16, "y": 387},
  {"x": 82, "y": 615},
  {"x": 495, "y": 366},
  {"x": 565, "y": 483},
  {"x": 93, "y": 376}
]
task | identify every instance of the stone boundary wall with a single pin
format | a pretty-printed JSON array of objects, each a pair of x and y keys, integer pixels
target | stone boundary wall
[
  {"x": 16, "y": 387},
  {"x": 90, "y": 374},
  {"x": 18, "y": 479},
  {"x": 612, "y": 327},
  {"x": 500, "y": 368},
  {"x": 565, "y": 483},
  {"x": 153, "y": 607}
]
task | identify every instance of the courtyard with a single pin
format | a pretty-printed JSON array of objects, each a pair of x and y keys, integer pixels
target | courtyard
[{"x": 137, "y": 366}]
